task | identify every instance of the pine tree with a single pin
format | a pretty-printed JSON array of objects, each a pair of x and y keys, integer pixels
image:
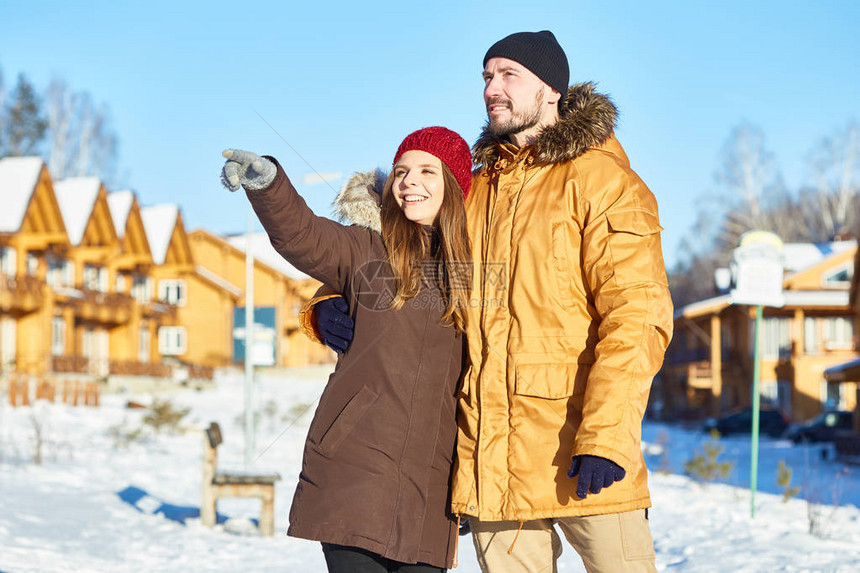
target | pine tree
[{"x": 25, "y": 125}]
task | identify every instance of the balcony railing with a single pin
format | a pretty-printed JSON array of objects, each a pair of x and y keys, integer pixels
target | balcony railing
[
  {"x": 23, "y": 293},
  {"x": 76, "y": 364},
  {"x": 701, "y": 354},
  {"x": 158, "y": 308},
  {"x": 198, "y": 372},
  {"x": 700, "y": 375},
  {"x": 132, "y": 368},
  {"x": 104, "y": 307}
]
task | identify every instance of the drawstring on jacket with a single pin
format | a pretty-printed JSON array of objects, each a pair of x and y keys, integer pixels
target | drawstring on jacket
[
  {"x": 456, "y": 543},
  {"x": 517, "y": 536}
]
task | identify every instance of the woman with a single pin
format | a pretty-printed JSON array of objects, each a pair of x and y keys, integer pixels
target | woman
[{"x": 374, "y": 485}]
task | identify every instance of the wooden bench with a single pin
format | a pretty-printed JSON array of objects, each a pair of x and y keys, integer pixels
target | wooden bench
[{"x": 234, "y": 484}]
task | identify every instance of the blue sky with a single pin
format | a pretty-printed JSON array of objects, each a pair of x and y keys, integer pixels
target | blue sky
[{"x": 343, "y": 82}]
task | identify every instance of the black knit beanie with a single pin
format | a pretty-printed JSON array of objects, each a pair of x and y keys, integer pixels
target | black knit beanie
[{"x": 539, "y": 52}]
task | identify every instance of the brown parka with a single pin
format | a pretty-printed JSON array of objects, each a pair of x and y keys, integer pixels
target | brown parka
[
  {"x": 570, "y": 321},
  {"x": 378, "y": 456}
]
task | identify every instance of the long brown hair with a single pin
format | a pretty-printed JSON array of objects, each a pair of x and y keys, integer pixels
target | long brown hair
[{"x": 412, "y": 255}]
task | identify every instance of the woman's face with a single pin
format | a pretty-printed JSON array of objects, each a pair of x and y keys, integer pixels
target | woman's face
[{"x": 418, "y": 186}]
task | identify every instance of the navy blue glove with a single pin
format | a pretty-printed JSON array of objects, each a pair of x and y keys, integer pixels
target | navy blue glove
[
  {"x": 334, "y": 324},
  {"x": 594, "y": 474}
]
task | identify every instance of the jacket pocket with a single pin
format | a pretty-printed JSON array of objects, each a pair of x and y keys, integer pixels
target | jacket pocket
[
  {"x": 346, "y": 420},
  {"x": 634, "y": 246},
  {"x": 550, "y": 381},
  {"x": 561, "y": 263}
]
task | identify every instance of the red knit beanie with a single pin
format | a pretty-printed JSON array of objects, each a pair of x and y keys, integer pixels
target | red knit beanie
[{"x": 445, "y": 144}]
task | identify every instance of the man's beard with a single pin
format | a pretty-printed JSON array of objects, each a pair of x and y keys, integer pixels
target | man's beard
[{"x": 519, "y": 121}]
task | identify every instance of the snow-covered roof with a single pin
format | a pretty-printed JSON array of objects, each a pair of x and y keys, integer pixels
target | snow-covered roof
[
  {"x": 849, "y": 368},
  {"x": 263, "y": 251},
  {"x": 159, "y": 222},
  {"x": 77, "y": 197},
  {"x": 793, "y": 298},
  {"x": 120, "y": 203},
  {"x": 218, "y": 280},
  {"x": 812, "y": 298},
  {"x": 800, "y": 256},
  {"x": 714, "y": 304},
  {"x": 18, "y": 178}
]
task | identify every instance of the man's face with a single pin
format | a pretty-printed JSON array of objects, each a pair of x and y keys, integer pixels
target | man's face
[{"x": 514, "y": 96}]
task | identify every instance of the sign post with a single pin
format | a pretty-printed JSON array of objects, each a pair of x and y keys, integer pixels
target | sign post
[
  {"x": 756, "y": 409},
  {"x": 250, "y": 410},
  {"x": 757, "y": 268}
]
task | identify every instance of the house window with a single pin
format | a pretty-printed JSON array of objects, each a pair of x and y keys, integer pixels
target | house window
[
  {"x": 769, "y": 391},
  {"x": 839, "y": 278},
  {"x": 141, "y": 288},
  {"x": 811, "y": 339},
  {"x": 32, "y": 264},
  {"x": 172, "y": 340},
  {"x": 60, "y": 272},
  {"x": 776, "y": 337},
  {"x": 58, "y": 336},
  {"x": 832, "y": 396},
  {"x": 172, "y": 291},
  {"x": 837, "y": 333},
  {"x": 7, "y": 261},
  {"x": 783, "y": 398},
  {"x": 121, "y": 282},
  {"x": 8, "y": 331},
  {"x": 143, "y": 343},
  {"x": 87, "y": 343},
  {"x": 95, "y": 278}
]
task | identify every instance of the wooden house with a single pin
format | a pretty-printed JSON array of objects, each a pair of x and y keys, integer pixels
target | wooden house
[
  {"x": 708, "y": 368},
  {"x": 32, "y": 235}
]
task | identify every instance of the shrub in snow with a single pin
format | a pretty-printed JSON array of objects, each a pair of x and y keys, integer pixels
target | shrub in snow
[
  {"x": 783, "y": 480},
  {"x": 163, "y": 414},
  {"x": 704, "y": 466},
  {"x": 124, "y": 435}
]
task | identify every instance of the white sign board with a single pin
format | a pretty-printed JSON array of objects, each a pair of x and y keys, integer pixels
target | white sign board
[
  {"x": 758, "y": 270},
  {"x": 262, "y": 346}
]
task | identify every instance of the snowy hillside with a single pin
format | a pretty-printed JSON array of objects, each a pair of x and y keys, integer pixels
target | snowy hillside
[{"x": 104, "y": 500}]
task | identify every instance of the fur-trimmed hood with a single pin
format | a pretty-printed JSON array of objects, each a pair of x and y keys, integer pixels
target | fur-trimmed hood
[
  {"x": 587, "y": 119},
  {"x": 358, "y": 202}
]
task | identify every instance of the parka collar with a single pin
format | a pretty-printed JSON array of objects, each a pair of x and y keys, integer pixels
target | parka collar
[
  {"x": 587, "y": 120},
  {"x": 358, "y": 202}
]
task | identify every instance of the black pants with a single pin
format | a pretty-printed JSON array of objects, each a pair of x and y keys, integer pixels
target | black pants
[{"x": 343, "y": 559}]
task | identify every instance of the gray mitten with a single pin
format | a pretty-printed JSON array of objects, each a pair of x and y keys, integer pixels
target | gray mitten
[{"x": 246, "y": 169}]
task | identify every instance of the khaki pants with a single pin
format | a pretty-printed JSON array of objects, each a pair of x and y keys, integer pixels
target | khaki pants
[{"x": 612, "y": 543}]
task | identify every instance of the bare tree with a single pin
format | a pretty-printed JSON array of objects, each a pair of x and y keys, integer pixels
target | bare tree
[
  {"x": 746, "y": 167},
  {"x": 98, "y": 147},
  {"x": 754, "y": 197},
  {"x": 833, "y": 201},
  {"x": 82, "y": 141},
  {"x": 60, "y": 110},
  {"x": 754, "y": 187}
]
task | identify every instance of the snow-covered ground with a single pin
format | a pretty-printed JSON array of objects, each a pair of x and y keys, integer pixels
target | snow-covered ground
[{"x": 99, "y": 504}]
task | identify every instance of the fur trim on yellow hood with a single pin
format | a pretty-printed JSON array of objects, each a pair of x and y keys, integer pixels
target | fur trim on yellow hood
[{"x": 587, "y": 119}]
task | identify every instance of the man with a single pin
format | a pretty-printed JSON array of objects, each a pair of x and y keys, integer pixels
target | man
[{"x": 570, "y": 321}]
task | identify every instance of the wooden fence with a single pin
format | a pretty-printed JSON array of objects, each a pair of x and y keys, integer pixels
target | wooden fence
[{"x": 22, "y": 389}]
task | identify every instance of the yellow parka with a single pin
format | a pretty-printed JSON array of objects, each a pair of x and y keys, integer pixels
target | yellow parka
[{"x": 568, "y": 324}]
